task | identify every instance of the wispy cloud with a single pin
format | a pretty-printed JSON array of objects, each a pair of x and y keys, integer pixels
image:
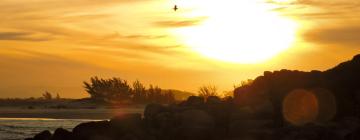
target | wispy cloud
[
  {"x": 344, "y": 35},
  {"x": 330, "y": 22},
  {"x": 179, "y": 23},
  {"x": 319, "y": 9},
  {"x": 21, "y": 36},
  {"x": 134, "y": 36}
]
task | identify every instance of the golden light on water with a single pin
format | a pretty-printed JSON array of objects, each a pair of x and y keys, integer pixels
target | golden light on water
[{"x": 245, "y": 31}]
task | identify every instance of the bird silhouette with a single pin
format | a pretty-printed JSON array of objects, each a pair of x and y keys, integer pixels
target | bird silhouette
[{"x": 175, "y": 8}]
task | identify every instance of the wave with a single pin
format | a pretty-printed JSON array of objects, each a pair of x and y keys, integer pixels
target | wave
[{"x": 20, "y": 128}]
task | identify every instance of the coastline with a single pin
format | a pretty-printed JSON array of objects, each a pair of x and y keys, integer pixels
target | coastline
[{"x": 91, "y": 114}]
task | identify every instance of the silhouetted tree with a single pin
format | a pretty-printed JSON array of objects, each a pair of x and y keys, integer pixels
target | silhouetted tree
[
  {"x": 58, "y": 96},
  {"x": 139, "y": 92},
  {"x": 169, "y": 97},
  {"x": 206, "y": 91},
  {"x": 108, "y": 89},
  {"x": 47, "y": 95},
  {"x": 116, "y": 89},
  {"x": 154, "y": 94}
]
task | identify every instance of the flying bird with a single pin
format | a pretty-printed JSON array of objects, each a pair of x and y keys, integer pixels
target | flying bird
[{"x": 175, "y": 8}]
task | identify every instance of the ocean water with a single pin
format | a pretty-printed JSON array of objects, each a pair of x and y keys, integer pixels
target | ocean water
[{"x": 20, "y": 128}]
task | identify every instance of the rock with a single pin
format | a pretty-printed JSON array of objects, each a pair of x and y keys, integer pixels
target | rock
[
  {"x": 354, "y": 135},
  {"x": 194, "y": 101},
  {"x": 89, "y": 130},
  {"x": 62, "y": 134},
  {"x": 220, "y": 113},
  {"x": 44, "y": 135},
  {"x": 126, "y": 122},
  {"x": 124, "y": 125},
  {"x": 152, "y": 110},
  {"x": 130, "y": 137},
  {"x": 307, "y": 135},
  {"x": 196, "y": 125},
  {"x": 329, "y": 135},
  {"x": 165, "y": 126},
  {"x": 165, "y": 120},
  {"x": 213, "y": 100}
]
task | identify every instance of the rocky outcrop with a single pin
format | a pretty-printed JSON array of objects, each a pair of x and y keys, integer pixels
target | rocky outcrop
[
  {"x": 196, "y": 119},
  {"x": 62, "y": 134}
]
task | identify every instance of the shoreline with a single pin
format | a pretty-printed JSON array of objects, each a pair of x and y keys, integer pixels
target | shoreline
[
  {"x": 91, "y": 114},
  {"x": 44, "y": 119}
]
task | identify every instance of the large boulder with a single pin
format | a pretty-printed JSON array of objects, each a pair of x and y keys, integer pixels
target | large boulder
[
  {"x": 44, "y": 135},
  {"x": 164, "y": 126},
  {"x": 354, "y": 135},
  {"x": 126, "y": 122},
  {"x": 91, "y": 130},
  {"x": 165, "y": 120},
  {"x": 213, "y": 100},
  {"x": 160, "y": 121},
  {"x": 127, "y": 126},
  {"x": 152, "y": 110},
  {"x": 62, "y": 134},
  {"x": 196, "y": 125},
  {"x": 194, "y": 101},
  {"x": 220, "y": 112}
]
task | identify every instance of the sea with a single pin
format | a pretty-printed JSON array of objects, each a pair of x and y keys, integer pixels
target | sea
[{"x": 21, "y": 128}]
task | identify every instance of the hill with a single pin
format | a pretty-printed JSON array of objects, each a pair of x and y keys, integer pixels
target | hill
[{"x": 181, "y": 95}]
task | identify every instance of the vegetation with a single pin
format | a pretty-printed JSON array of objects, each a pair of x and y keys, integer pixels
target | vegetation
[
  {"x": 207, "y": 91},
  {"x": 116, "y": 90},
  {"x": 47, "y": 95}
]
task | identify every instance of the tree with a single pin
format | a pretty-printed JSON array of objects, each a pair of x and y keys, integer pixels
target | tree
[
  {"x": 206, "y": 91},
  {"x": 47, "y": 95},
  {"x": 154, "y": 94},
  {"x": 114, "y": 89},
  {"x": 169, "y": 97},
  {"x": 139, "y": 92},
  {"x": 58, "y": 96}
]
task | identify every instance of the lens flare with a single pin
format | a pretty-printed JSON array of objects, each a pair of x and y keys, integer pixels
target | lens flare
[{"x": 300, "y": 107}]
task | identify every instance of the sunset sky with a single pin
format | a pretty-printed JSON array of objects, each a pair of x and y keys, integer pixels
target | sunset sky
[{"x": 54, "y": 45}]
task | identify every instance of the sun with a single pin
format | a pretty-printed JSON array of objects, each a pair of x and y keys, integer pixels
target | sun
[{"x": 245, "y": 31}]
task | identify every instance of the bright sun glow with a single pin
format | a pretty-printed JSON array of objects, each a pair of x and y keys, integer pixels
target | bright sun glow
[{"x": 240, "y": 31}]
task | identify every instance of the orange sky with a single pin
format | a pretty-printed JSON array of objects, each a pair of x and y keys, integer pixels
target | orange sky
[{"x": 54, "y": 45}]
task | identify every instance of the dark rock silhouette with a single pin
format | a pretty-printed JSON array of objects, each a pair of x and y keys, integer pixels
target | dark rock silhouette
[
  {"x": 195, "y": 125},
  {"x": 342, "y": 80},
  {"x": 213, "y": 120},
  {"x": 90, "y": 130},
  {"x": 244, "y": 117},
  {"x": 45, "y": 135},
  {"x": 62, "y": 134}
]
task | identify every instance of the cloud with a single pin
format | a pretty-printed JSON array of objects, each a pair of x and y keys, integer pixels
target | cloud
[
  {"x": 134, "y": 36},
  {"x": 21, "y": 36},
  {"x": 319, "y": 9},
  {"x": 181, "y": 23},
  {"x": 344, "y": 35},
  {"x": 136, "y": 51},
  {"x": 319, "y": 3},
  {"x": 331, "y": 21},
  {"x": 38, "y": 5}
]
